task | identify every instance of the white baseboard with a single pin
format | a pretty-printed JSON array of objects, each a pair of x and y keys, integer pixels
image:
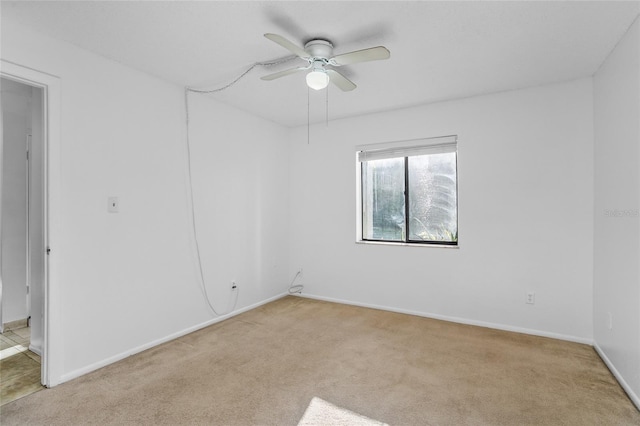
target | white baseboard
[
  {"x": 632, "y": 395},
  {"x": 103, "y": 363},
  {"x": 15, "y": 325},
  {"x": 456, "y": 320}
]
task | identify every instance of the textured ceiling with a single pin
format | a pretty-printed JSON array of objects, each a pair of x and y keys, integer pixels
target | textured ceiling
[{"x": 439, "y": 50}]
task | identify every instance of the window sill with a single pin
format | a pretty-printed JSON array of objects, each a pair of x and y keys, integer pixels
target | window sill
[{"x": 392, "y": 243}]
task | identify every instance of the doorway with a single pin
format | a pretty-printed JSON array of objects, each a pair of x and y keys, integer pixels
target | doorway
[{"x": 22, "y": 237}]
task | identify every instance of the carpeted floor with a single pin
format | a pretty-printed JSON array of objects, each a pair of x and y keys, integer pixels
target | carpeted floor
[{"x": 264, "y": 367}]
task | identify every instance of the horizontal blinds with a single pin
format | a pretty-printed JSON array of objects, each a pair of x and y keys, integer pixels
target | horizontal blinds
[{"x": 408, "y": 149}]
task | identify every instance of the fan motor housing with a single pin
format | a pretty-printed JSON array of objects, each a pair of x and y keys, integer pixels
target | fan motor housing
[{"x": 319, "y": 48}]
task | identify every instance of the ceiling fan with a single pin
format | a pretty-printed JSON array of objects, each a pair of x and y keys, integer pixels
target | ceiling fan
[{"x": 319, "y": 55}]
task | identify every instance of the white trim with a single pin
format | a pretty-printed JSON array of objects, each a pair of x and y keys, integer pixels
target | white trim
[
  {"x": 1, "y": 186},
  {"x": 410, "y": 143},
  {"x": 96, "y": 365},
  {"x": 404, "y": 151},
  {"x": 53, "y": 351},
  {"x": 623, "y": 383},
  {"x": 402, "y": 243},
  {"x": 458, "y": 320},
  {"x": 358, "y": 200},
  {"x": 36, "y": 350}
]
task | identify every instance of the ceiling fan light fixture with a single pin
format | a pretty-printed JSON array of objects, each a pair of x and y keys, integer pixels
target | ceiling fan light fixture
[
  {"x": 317, "y": 79},
  {"x": 319, "y": 54}
]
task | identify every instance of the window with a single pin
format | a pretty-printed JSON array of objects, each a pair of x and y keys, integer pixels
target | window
[{"x": 408, "y": 192}]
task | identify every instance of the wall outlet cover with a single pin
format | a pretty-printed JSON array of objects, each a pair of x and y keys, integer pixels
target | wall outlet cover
[{"x": 531, "y": 298}]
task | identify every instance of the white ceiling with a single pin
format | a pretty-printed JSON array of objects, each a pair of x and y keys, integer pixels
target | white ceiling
[{"x": 439, "y": 50}]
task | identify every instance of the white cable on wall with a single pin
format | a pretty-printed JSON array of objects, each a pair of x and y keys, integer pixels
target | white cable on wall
[
  {"x": 293, "y": 289},
  {"x": 194, "y": 231},
  {"x": 257, "y": 64}
]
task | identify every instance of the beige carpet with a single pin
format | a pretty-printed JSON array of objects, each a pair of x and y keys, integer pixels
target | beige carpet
[{"x": 264, "y": 367}]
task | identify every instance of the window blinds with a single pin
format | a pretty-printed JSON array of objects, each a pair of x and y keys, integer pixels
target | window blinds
[{"x": 439, "y": 145}]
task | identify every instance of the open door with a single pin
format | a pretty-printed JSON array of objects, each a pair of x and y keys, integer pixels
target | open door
[
  {"x": 22, "y": 196},
  {"x": 43, "y": 170}
]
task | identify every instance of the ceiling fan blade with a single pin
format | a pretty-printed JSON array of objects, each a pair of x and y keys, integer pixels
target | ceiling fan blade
[
  {"x": 287, "y": 45},
  {"x": 283, "y": 73},
  {"x": 364, "y": 55},
  {"x": 341, "y": 81}
]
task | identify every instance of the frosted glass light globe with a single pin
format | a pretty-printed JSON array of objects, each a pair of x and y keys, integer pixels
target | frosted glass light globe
[{"x": 317, "y": 80}]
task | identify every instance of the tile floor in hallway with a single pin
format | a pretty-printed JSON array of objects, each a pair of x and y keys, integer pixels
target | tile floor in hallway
[{"x": 19, "y": 367}]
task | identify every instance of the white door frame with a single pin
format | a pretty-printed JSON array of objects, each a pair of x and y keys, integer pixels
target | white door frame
[{"x": 53, "y": 352}]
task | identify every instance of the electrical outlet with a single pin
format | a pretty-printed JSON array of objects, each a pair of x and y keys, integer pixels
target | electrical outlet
[
  {"x": 531, "y": 298},
  {"x": 233, "y": 286},
  {"x": 609, "y": 321}
]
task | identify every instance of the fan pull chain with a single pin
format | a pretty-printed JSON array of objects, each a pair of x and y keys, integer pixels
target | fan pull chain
[
  {"x": 308, "y": 115},
  {"x": 327, "y": 108}
]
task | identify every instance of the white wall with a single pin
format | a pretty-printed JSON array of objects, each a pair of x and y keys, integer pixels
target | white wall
[
  {"x": 617, "y": 217},
  {"x": 16, "y": 117},
  {"x": 525, "y": 169},
  {"x": 128, "y": 280}
]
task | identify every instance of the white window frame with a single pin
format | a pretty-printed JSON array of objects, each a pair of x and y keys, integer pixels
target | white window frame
[{"x": 432, "y": 145}]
